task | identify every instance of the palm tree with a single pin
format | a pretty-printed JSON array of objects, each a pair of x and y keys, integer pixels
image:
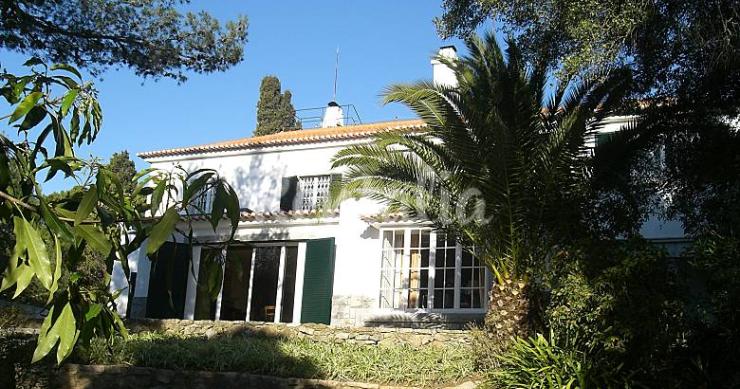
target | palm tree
[{"x": 497, "y": 164}]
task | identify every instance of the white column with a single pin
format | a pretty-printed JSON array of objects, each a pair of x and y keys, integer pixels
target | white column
[
  {"x": 432, "y": 267},
  {"x": 217, "y": 316},
  {"x": 192, "y": 286},
  {"x": 300, "y": 271},
  {"x": 279, "y": 295},
  {"x": 458, "y": 273},
  {"x": 251, "y": 281},
  {"x": 143, "y": 267},
  {"x": 406, "y": 265}
]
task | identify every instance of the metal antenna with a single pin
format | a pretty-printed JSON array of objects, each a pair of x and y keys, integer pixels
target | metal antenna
[{"x": 336, "y": 76}]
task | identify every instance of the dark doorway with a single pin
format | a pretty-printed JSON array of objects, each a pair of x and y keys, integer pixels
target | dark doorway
[
  {"x": 236, "y": 283},
  {"x": 210, "y": 275},
  {"x": 168, "y": 280},
  {"x": 289, "y": 275},
  {"x": 264, "y": 285}
]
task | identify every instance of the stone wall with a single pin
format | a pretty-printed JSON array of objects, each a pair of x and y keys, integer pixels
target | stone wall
[
  {"x": 318, "y": 332},
  {"x": 362, "y": 311},
  {"x": 126, "y": 377},
  {"x": 16, "y": 370}
]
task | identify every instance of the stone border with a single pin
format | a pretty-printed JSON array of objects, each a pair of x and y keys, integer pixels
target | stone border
[
  {"x": 124, "y": 377},
  {"x": 318, "y": 332},
  {"x": 73, "y": 376}
]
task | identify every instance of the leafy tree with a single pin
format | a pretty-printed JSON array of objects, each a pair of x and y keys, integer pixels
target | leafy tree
[
  {"x": 683, "y": 55},
  {"x": 152, "y": 37},
  {"x": 683, "y": 50},
  {"x": 100, "y": 216},
  {"x": 493, "y": 166},
  {"x": 275, "y": 112}
]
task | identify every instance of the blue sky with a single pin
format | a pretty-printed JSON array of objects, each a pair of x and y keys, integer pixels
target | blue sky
[{"x": 380, "y": 42}]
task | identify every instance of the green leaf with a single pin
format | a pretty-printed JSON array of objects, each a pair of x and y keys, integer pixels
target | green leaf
[
  {"x": 162, "y": 230},
  {"x": 74, "y": 129},
  {"x": 66, "y": 328},
  {"x": 89, "y": 200},
  {"x": 12, "y": 274},
  {"x": 68, "y": 100},
  {"x": 143, "y": 173},
  {"x": 47, "y": 339},
  {"x": 93, "y": 311},
  {"x": 25, "y": 106},
  {"x": 33, "y": 61},
  {"x": 157, "y": 195},
  {"x": 218, "y": 206},
  {"x": 232, "y": 209},
  {"x": 24, "y": 275},
  {"x": 38, "y": 258},
  {"x": 193, "y": 188},
  {"x": 66, "y": 81},
  {"x": 4, "y": 170},
  {"x": 57, "y": 270},
  {"x": 63, "y": 143},
  {"x": 33, "y": 118},
  {"x": 58, "y": 164},
  {"x": 95, "y": 238},
  {"x": 53, "y": 222},
  {"x": 69, "y": 68},
  {"x": 119, "y": 324}
]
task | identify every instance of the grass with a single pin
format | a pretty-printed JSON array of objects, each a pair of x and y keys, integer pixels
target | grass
[{"x": 289, "y": 357}]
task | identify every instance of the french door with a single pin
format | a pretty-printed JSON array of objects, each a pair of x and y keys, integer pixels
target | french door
[{"x": 259, "y": 283}]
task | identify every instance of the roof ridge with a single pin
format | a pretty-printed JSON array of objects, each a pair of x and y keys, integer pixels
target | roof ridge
[{"x": 291, "y": 137}]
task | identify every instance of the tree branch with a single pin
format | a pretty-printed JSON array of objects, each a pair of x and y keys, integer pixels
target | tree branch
[{"x": 32, "y": 208}]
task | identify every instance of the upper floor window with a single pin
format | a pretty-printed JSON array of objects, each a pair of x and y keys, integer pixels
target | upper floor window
[
  {"x": 313, "y": 191},
  {"x": 202, "y": 202},
  {"x": 305, "y": 192},
  {"x": 424, "y": 269}
]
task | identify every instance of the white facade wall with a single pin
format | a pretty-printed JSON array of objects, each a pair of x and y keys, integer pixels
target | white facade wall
[{"x": 256, "y": 176}]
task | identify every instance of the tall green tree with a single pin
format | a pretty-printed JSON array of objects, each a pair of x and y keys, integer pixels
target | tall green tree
[
  {"x": 53, "y": 111},
  {"x": 275, "y": 112},
  {"x": 493, "y": 166},
  {"x": 122, "y": 166},
  {"x": 152, "y": 37}
]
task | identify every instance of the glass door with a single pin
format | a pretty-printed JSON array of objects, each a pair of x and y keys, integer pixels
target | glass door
[
  {"x": 258, "y": 284},
  {"x": 265, "y": 283}
]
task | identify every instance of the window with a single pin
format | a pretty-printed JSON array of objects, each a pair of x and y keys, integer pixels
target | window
[
  {"x": 202, "y": 201},
  {"x": 312, "y": 192},
  {"x": 424, "y": 269}
]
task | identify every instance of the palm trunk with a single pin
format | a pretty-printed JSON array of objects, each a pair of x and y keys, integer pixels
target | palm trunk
[{"x": 508, "y": 310}]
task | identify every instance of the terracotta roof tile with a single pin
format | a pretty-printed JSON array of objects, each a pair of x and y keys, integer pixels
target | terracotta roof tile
[
  {"x": 249, "y": 216},
  {"x": 292, "y": 137}
]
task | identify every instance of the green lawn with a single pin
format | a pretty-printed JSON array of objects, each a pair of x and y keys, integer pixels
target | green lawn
[{"x": 290, "y": 357}]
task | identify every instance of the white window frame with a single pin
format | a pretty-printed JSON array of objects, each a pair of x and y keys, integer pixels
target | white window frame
[
  {"x": 404, "y": 268},
  {"x": 314, "y": 194}
]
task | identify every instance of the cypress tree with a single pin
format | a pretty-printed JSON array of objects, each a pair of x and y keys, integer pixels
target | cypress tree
[{"x": 275, "y": 111}]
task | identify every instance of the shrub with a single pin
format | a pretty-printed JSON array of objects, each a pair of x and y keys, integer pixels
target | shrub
[{"x": 538, "y": 363}]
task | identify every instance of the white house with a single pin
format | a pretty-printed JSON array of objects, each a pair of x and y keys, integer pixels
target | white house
[{"x": 293, "y": 264}]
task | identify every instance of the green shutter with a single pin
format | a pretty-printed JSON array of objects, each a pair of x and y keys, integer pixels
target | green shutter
[
  {"x": 318, "y": 281},
  {"x": 288, "y": 191}
]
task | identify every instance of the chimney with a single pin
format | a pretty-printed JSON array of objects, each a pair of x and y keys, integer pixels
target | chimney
[
  {"x": 333, "y": 116},
  {"x": 441, "y": 73}
]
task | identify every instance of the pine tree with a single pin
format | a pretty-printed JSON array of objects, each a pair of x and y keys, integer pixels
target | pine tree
[
  {"x": 122, "y": 165},
  {"x": 275, "y": 112}
]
